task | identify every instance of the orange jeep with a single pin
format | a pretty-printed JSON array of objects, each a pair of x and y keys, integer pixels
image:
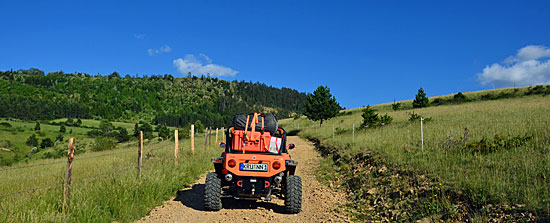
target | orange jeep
[{"x": 255, "y": 165}]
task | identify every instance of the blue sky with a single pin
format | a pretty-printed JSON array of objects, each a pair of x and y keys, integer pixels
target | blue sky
[{"x": 367, "y": 52}]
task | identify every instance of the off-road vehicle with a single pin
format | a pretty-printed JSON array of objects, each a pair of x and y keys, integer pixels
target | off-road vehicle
[{"x": 255, "y": 165}]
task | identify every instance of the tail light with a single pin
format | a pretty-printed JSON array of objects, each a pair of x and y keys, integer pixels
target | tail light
[
  {"x": 231, "y": 163},
  {"x": 276, "y": 165}
]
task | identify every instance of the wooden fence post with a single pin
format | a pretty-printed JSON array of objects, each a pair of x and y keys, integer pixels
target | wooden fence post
[
  {"x": 68, "y": 175},
  {"x": 176, "y": 145},
  {"x": 205, "y": 137},
  {"x": 193, "y": 139},
  {"x": 209, "y": 135},
  {"x": 216, "y": 135},
  {"x": 223, "y": 133},
  {"x": 140, "y": 149}
]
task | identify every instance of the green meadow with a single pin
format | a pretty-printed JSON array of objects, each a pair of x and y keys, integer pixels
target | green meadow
[
  {"x": 105, "y": 186},
  {"x": 498, "y": 151}
]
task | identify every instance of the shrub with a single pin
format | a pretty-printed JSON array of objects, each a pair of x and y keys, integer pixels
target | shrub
[
  {"x": 416, "y": 117},
  {"x": 104, "y": 143},
  {"x": 62, "y": 129},
  {"x": 37, "y": 126},
  {"x": 5, "y": 124},
  {"x": 385, "y": 119},
  {"x": 59, "y": 138},
  {"x": 46, "y": 142},
  {"x": 164, "y": 132},
  {"x": 370, "y": 118},
  {"x": 396, "y": 106},
  {"x": 122, "y": 135},
  {"x": 199, "y": 127},
  {"x": 459, "y": 97},
  {"x": 32, "y": 140}
]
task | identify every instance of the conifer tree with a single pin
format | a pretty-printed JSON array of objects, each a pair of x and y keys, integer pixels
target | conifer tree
[
  {"x": 321, "y": 105},
  {"x": 421, "y": 100}
]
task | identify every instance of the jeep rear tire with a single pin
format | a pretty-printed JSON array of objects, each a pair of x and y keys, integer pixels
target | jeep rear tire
[
  {"x": 212, "y": 192},
  {"x": 293, "y": 195}
]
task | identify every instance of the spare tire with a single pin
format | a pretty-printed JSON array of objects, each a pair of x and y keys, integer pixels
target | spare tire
[{"x": 269, "y": 119}]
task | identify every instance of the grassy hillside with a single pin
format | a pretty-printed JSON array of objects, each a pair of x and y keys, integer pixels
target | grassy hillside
[
  {"x": 14, "y": 133},
  {"x": 31, "y": 95},
  {"x": 105, "y": 187},
  {"x": 493, "y": 152}
]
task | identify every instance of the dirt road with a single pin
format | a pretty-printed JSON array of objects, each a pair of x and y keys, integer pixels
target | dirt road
[{"x": 317, "y": 205}]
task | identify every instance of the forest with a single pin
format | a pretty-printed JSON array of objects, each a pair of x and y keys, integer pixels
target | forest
[{"x": 160, "y": 99}]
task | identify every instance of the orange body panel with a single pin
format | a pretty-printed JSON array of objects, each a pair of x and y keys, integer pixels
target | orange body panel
[
  {"x": 255, "y": 158},
  {"x": 256, "y": 142}
]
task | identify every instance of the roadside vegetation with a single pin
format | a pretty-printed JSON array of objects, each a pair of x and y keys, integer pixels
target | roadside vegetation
[
  {"x": 104, "y": 187},
  {"x": 483, "y": 158}
]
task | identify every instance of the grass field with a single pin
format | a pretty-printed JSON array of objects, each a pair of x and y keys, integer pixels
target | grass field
[
  {"x": 14, "y": 137},
  {"x": 105, "y": 187},
  {"x": 511, "y": 137}
]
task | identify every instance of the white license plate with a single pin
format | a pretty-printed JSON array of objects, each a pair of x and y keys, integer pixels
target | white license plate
[{"x": 254, "y": 167}]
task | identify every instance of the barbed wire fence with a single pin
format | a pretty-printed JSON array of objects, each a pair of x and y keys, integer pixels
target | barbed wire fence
[{"x": 67, "y": 182}]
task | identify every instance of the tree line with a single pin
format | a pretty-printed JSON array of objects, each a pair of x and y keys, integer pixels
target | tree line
[{"x": 162, "y": 99}]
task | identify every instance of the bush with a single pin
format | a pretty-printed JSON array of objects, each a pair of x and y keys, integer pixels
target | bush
[
  {"x": 416, "y": 117},
  {"x": 385, "y": 119},
  {"x": 539, "y": 89},
  {"x": 62, "y": 129},
  {"x": 396, "y": 106},
  {"x": 46, "y": 142},
  {"x": 122, "y": 135},
  {"x": 59, "y": 138},
  {"x": 104, "y": 143},
  {"x": 37, "y": 127},
  {"x": 199, "y": 127},
  {"x": 32, "y": 140},
  {"x": 5, "y": 124},
  {"x": 164, "y": 132},
  {"x": 459, "y": 97},
  {"x": 370, "y": 118}
]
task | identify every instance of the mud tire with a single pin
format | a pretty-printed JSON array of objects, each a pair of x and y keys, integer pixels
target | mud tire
[
  {"x": 293, "y": 195},
  {"x": 212, "y": 192}
]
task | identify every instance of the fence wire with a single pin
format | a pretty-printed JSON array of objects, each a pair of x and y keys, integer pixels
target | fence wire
[{"x": 78, "y": 179}]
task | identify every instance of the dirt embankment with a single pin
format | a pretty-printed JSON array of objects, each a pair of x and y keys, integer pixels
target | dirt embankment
[{"x": 317, "y": 205}]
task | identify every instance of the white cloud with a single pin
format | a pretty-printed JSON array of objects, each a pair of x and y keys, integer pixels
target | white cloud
[
  {"x": 202, "y": 65},
  {"x": 162, "y": 49},
  {"x": 530, "y": 66},
  {"x": 139, "y": 36}
]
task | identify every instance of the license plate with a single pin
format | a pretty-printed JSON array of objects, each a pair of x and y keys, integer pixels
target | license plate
[{"x": 253, "y": 167}]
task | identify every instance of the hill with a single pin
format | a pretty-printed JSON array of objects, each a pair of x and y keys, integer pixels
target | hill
[
  {"x": 482, "y": 159},
  {"x": 31, "y": 95}
]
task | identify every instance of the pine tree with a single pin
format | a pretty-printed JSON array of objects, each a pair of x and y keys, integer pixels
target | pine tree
[
  {"x": 37, "y": 126},
  {"x": 62, "y": 129},
  {"x": 321, "y": 105},
  {"x": 59, "y": 138},
  {"x": 136, "y": 130},
  {"x": 370, "y": 118},
  {"x": 32, "y": 140},
  {"x": 421, "y": 100},
  {"x": 47, "y": 142}
]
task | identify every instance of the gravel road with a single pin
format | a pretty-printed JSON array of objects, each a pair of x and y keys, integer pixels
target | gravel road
[{"x": 318, "y": 205}]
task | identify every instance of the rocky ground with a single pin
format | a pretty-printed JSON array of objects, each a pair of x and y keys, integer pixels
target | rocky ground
[{"x": 320, "y": 204}]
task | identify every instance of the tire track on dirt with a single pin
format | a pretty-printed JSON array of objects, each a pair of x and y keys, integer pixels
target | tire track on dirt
[{"x": 317, "y": 205}]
